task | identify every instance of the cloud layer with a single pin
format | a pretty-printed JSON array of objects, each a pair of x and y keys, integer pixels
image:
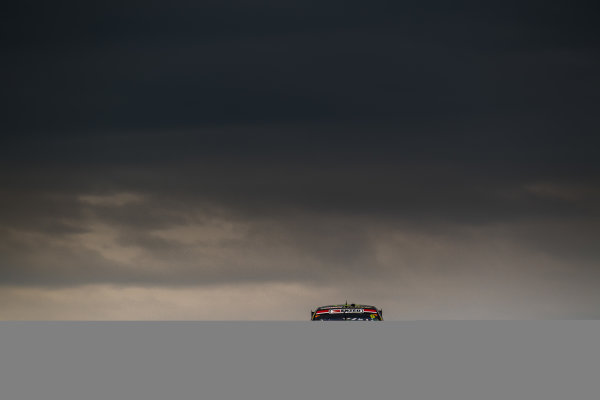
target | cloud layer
[{"x": 435, "y": 159}]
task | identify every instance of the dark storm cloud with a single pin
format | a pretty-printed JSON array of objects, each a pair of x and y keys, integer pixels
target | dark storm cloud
[
  {"x": 445, "y": 146},
  {"x": 408, "y": 189},
  {"x": 424, "y": 110},
  {"x": 504, "y": 92},
  {"x": 80, "y": 67},
  {"x": 262, "y": 224},
  {"x": 146, "y": 240}
]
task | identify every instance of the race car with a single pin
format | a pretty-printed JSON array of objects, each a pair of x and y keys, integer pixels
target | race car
[{"x": 347, "y": 312}]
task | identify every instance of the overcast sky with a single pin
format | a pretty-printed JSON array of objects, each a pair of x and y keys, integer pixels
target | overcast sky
[{"x": 256, "y": 159}]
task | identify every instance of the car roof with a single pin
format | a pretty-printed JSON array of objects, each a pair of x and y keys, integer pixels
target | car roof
[{"x": 353, "y": 305}]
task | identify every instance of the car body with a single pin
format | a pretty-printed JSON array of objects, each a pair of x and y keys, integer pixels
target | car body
[{"x": 347, "y": 312}]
